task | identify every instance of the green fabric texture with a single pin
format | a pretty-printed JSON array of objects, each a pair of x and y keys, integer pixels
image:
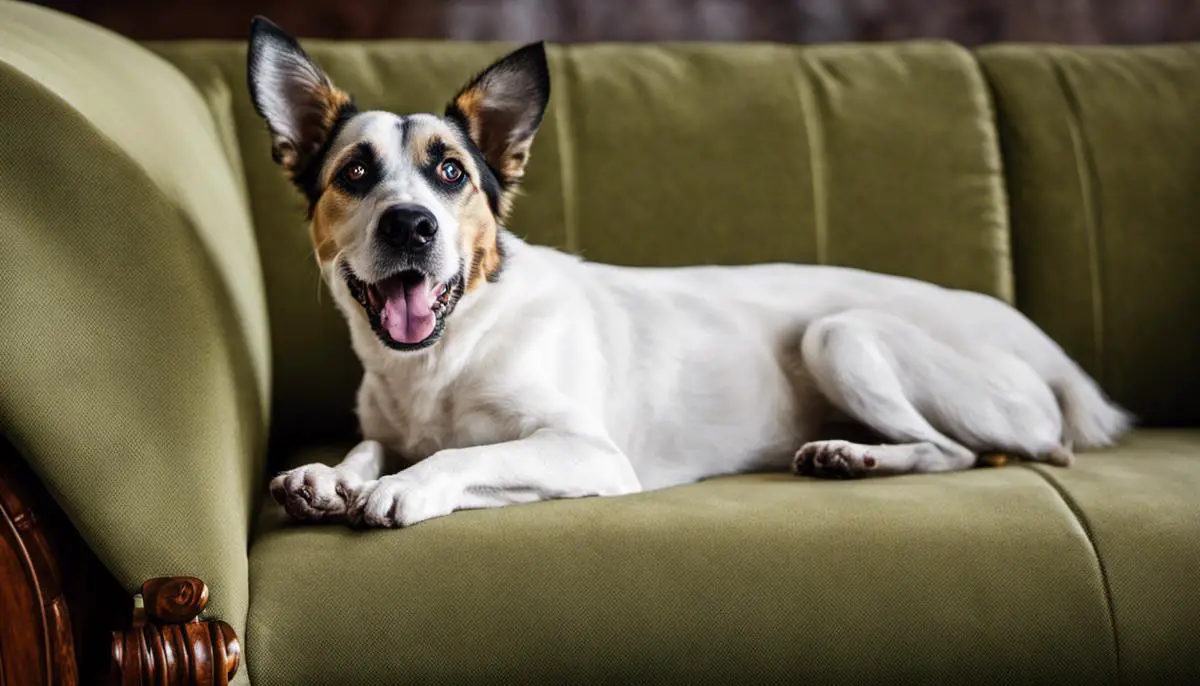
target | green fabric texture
[
  {"x": 1103, "y": 169},
  {"x": 759, "y": 153},
  {"x": 985, "y": 575},
  {"x": 736, "y": 154},
  {"x": 1141, "y": 507},
  {"x": 133, "y": 357}
]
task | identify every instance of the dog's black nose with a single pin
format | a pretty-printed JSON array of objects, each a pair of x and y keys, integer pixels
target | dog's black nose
[{"x": 408, "y": 227}]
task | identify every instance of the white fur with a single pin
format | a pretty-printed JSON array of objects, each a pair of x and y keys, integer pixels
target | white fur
[{"x": 567, "y": 379}]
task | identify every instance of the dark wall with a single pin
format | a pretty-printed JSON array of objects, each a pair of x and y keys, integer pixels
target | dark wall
[{"x": 806, "y": 21}]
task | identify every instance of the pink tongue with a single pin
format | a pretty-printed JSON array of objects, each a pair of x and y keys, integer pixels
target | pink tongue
[{"x": 407, "y": 313}]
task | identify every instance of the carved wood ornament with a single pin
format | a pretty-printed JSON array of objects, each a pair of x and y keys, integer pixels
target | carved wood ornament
[
  {"x": 168, "y": 644},
  {"x": 57, "y": 619}
]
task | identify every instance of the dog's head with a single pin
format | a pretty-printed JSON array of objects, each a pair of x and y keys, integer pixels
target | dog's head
[{"x": 405, "y": 211}]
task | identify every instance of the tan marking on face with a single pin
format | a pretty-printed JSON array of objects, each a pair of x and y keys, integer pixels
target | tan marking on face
[
  {"x": 420, "y": 140},
  {"x": 328, "y": 215},
  {"x": 418, "y": 145},
  {"x": 480, "y": 237}
]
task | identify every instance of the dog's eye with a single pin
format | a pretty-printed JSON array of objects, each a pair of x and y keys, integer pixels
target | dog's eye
[
  {"x": 451, "y": 172},
  {"x": 354, "y": 171}
]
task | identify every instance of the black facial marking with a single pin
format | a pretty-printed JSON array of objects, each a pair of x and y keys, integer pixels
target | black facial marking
[
  {"x": 436, "y": 150},
  {"x": 364, "y": 153},
  {"x": 405, "y": 126},
  {"x": 435, "y": 155},
  {"x": 308, "y": 178}
]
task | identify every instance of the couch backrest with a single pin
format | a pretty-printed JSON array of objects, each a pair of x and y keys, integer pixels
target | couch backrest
[
  {"x": 882, "y": 157},
  {"x": 1102, "y": 151}
]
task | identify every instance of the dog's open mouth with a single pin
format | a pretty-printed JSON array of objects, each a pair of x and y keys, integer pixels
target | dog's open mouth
[{"x": 406, "y": 309}]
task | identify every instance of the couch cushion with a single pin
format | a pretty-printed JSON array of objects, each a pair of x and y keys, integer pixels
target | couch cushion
[
  {"x": 1141, "y": 508},
  {"x": 1102, "y": 155},
  {"x": 986, "y": 574},
  {"x": 882, "y": 157}
]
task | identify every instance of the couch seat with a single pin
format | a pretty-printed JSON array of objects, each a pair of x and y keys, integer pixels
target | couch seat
[{"x": 1017, "y": 574}]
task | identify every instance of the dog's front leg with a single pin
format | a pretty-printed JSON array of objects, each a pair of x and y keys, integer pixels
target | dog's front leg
[
  {"x": 319, "y": 491},
  {"x": 547, "y": 464}
]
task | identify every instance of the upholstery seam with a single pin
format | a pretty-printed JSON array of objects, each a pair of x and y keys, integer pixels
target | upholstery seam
[
  {"x": 815, "y": 135},
  {"x": 985, "y": 97},
  {"x": 566, "y": 155},
  {"x": 1085, "y": 167},
  {"x": 1082, "y": 520}
]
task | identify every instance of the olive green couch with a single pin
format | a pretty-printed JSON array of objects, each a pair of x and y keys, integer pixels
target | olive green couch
[{"x": 165, "y": 346}]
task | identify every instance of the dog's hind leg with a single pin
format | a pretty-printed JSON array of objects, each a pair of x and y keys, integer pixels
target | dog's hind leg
[
  {"x": 855, "y": 372},
  {"x": 936, "y": 405}
]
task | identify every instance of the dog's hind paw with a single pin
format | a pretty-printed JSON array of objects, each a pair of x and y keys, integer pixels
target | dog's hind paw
[{"x": 834, "y": 459}]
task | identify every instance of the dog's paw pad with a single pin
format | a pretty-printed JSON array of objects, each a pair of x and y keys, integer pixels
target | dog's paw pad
[
  {"x": 834, "y": 459},
  {"x": 314, "y": 491}
]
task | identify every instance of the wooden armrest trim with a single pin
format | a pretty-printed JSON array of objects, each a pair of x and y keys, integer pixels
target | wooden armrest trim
[{"x": 55, "y": 619}]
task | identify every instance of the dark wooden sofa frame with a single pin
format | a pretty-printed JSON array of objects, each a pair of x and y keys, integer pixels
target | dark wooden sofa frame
[{"x": 64, "y": 619}]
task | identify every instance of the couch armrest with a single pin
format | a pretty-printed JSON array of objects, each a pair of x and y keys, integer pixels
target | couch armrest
[{"x": 134, "y": 363}]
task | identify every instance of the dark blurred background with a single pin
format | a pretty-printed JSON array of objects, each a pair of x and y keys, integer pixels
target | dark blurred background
[{"x": 971, "y": 22}]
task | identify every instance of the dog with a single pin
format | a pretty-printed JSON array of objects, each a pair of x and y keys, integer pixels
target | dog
[{"x": 498, "y": 372}]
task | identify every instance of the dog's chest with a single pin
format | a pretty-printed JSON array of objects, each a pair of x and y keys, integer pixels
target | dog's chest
[{"x": 417, "y": 418}]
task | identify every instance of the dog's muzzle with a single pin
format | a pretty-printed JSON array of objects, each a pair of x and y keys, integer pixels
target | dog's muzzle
[{"x": 406, "y": 310}]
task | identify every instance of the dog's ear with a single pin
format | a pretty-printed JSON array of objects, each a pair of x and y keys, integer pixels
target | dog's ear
[
  {"x": 502, "y": 108},
  {"x": 298, "y": 101}
]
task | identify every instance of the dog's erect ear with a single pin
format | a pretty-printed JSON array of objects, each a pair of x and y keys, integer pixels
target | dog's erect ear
[
  {"x": 298, "y": 101},
  {"x": 501, "y": 109}
]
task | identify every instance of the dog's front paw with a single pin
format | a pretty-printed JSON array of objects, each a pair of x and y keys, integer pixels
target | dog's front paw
[
  {"x": 316, "y": 491},
  {"x": 403, "y": 500}
]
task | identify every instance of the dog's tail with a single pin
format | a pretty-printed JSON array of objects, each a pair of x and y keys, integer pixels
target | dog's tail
[{"x": 1090, "y": 419}]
